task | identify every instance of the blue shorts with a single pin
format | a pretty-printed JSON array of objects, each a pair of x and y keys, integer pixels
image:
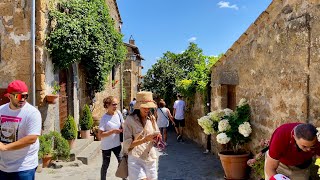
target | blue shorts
[{"x": 21, "y": 175}]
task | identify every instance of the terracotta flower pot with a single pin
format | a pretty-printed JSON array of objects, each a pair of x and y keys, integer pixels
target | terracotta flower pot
[
  {"x": 51, "y": 98},
  {"x": 71, "y": 143},
  {"x": 46, "y": 160},
  {"x": 235, "y": 166},
  {"x": 85, "y": 134}
]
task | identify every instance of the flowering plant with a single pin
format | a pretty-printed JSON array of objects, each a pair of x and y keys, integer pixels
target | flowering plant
[
  {"x": 257, "y": 163},
  {"x": 318, "y": 159},
  {"x": 233, "y": 128}
]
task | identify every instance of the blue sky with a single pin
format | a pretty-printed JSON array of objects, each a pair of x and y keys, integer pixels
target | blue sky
[{"x": 158, "y": 26}]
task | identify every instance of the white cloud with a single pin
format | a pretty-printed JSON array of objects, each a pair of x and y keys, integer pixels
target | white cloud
[
  {"x": 158, "y": 58},
  {"x": 225, "y": 4},
  {"x": 192, "y": 39}
]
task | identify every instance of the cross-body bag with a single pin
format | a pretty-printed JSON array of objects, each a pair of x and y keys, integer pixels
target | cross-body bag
[{"x": 164, "y": 114}]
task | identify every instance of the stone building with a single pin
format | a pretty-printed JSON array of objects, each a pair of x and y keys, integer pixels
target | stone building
[
  {"x": 132, "y": 76},
  {"x": 17, "y": 62},
  {"x": 275, "y": 65}
]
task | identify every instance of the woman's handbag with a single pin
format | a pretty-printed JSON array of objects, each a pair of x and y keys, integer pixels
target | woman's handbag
[{"x": 122, "y": 171}]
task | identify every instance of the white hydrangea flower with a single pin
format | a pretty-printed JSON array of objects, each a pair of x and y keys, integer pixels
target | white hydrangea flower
[
  {"x": 318, "y": 134},
  {"x": 242, "y": 102},
  {"x": 224, "y": 125},
  {"x": 227, "y": 111},
  {"x": 206, "y": 124},
  {"x": 222, "y": 138},
  {"x": 245, "y": 129}
]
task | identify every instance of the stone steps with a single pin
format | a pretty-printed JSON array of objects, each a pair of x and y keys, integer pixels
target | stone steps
[
  {"x": 88, "y": 154},
  {"x": 80, "y": 145}
]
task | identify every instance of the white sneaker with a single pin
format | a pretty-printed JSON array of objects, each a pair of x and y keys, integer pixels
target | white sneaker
[{"x": 206, "y": 151}]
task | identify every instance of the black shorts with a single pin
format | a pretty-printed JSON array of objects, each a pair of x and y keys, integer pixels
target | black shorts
[{"x": 179, "y": 122}]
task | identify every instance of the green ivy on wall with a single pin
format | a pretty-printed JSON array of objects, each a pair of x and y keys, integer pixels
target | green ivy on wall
[{"x": 83, "y": 32}]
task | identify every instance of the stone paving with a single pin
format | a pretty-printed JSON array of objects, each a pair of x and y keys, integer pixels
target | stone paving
[{"x": 180, "y": 161}]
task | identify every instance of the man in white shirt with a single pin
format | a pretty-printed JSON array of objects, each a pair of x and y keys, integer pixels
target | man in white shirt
[
  {"x": 179, "y": 108},
  {"x": 20, "y": 127}
]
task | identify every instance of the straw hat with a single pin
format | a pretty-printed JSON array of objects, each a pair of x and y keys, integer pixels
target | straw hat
[{"x": 144, "y": 100}]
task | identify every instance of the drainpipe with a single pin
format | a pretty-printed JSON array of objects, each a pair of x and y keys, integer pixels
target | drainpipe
[{"x": 33, "y": 61}]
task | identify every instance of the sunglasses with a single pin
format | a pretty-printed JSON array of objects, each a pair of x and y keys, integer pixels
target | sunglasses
[
  {"x": 114, "y": 104},
  {"x": 20, "y": 96}
]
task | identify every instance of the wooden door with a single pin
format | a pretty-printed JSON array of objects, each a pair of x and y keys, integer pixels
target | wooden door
[{"x": 63, "y": 103}]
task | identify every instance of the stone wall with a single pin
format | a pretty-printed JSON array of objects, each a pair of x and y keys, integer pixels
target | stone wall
[
  {"x": 194, "y": 110},
  {"x": 275, "y": 65},
  {"x": 15, "y": 36}
]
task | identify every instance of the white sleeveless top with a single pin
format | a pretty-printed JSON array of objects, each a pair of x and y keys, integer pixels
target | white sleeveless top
[{"x": 162, "y": 120}]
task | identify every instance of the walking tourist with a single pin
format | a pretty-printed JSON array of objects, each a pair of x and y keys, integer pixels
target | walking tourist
[
  {"x": 131, "y": 105},
  {"x": 179, "y": 108},
  {"x": 140, "y": 133},
  {"x": 110, "y": 128},
  {"x": 20, "y": 127},
  {"x": 163, "y": 117}
]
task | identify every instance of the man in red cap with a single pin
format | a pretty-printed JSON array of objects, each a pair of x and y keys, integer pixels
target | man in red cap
[{"x": 20, "y": 127}]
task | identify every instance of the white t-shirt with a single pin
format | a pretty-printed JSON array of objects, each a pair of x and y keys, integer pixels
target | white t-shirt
[
  {"x": 180, "y": 106},
  {"x": 16, "y": 124},
  {"x": 162, "y": 120},
  {"x": 107, "y": 123}
]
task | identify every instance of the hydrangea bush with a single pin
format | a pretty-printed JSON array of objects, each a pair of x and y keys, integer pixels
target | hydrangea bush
[{"x": 232, "y": 128}]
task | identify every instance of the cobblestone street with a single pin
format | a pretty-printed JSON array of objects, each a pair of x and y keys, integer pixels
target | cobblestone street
[{"x": 180, "y": 161}]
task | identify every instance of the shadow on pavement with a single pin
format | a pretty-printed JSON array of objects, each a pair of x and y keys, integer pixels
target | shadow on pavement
[{"x": 186, "y": 160}]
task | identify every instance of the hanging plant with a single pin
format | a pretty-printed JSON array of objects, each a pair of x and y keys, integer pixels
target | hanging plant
[{"x": 84, "y": 32}]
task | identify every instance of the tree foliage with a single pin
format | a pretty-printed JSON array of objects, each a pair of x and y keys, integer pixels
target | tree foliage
[
  {"x": 84, "y": 32},
  {"x": 186, "y": 73}
]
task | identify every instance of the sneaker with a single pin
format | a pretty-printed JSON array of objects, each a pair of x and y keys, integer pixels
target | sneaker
[
  {"x": 166, "y": 144},
  {"x": 206, "y": 151},
  {"x": 178, "y": 137}
]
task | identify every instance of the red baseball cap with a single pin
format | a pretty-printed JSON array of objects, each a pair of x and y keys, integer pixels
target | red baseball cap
[{"x": 16, "y": 86}]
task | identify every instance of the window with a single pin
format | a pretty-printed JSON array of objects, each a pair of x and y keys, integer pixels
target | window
[{"x": 228, "y": 96}]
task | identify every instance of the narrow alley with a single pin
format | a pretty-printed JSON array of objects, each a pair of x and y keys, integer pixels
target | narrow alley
[{"x": 180, "y": 161}]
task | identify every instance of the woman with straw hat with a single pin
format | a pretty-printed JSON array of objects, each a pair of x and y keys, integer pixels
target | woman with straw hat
[{"x": 140, "y": 130}]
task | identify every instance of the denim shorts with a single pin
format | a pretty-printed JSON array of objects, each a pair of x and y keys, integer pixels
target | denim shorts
[{"x": 21, "y": 175}]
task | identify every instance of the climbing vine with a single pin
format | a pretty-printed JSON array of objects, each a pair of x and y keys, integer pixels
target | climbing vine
[{"x": 83, "y": 31}]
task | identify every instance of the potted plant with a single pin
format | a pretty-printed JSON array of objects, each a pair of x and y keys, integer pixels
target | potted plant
[
  {"x": 95, "y": 130},
  {"x": 51, "y": 98},
  {"x": 45, "y": 150},
  {"x": 86, "y": 122},
  {"x": 69, "y": 131},
  {"x": 232, "y": 130},
  {"x": 53, "y": 146}
]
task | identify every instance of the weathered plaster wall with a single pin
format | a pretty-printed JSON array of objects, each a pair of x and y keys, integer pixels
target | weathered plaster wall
[
  {"x": 276, "y": 66},
  {"x": 15, "y": 60}
]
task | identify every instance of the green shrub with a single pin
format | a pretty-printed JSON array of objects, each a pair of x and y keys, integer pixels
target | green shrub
[
  {"x": 54, "y": 144},
  {"x": 46, "y": 146},
  {"x": 69, "y": 130},
  {"x": 86, "y": 122}
]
